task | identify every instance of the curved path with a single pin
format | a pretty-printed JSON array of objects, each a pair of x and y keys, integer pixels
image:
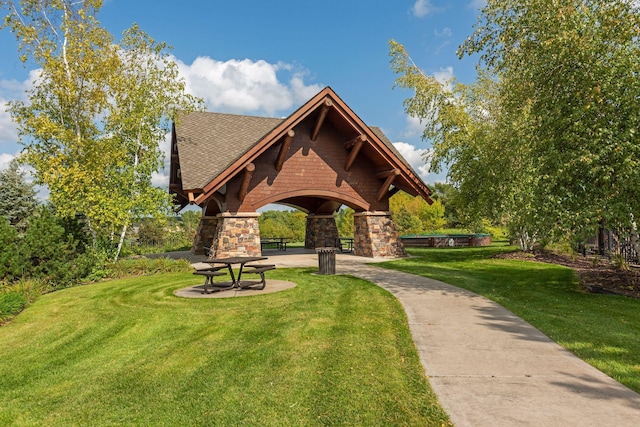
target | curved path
[{"x": 488, "y": 366}]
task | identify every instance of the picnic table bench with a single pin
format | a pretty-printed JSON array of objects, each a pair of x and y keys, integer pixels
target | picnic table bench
[
  {"x": 344, "y": 244},
  {"x": 279, "y": 243}
]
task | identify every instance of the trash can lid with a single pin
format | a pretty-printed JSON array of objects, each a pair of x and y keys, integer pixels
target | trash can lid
[{"x": 326, "y": 249}]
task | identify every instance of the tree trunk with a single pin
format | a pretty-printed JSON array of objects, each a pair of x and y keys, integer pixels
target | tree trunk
[
  {"x": 635, "y": 240},
  {"x": 120, "y": 243}
]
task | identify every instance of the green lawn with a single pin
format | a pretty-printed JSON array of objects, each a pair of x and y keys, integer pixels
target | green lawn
[
  {"x": 334, "y": 350},
  {"x": 600, "y": 329}
]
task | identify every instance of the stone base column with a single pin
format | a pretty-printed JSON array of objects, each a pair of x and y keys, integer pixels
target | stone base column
[
  {"x": 375, "y": 235},
  {"x": 237, "y": 234},
  {"x": 205, "y": 234},
  {"x": 321, "y": 231}
]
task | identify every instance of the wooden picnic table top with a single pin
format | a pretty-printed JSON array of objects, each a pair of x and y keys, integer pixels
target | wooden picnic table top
[{"x": 236, "y": 260}]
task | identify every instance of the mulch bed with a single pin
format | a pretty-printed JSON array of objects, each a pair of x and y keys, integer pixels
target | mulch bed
[{"x": 596, "y": 275}]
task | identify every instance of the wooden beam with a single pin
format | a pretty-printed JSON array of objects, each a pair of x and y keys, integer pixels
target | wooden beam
[
  {"x": 284, "y": 149},
  {"x": 385, "y": 187},
  {"x": 384, "y": 174},
  {"x": 321, "y": 117},
  {"x": 246, "y": 179},
  {"x": 357, "y": 145},
  {"x": 192, "y": 199},
  {"x": 393, "y": 191},
  {"x": 349, "y": 144}
]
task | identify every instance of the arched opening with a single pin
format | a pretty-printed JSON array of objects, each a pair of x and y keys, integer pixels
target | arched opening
[{"x": 318, "y": 159}]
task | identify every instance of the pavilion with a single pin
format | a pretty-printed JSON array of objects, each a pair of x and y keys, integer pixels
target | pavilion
[{"x": 319, "y": 158}]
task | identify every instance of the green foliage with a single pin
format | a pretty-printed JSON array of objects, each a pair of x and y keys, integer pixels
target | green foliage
[
  {"x": 289, "y": 224},
  {"x": 93, "y": 121},
  {"x": 143, "y": 266},
  {"x": 190, "y": 221},
  {"x": 546, "y": 138},
  {"x": 16, "y": 295},
  {"x": 11, "y": 303},
  {"x": 344, "y": 222},
  {"x": 12, "y": 263},
  {"x": 52, "y": 253},
  {"x": 151, "y": 231},
  {"x": 17, "y": 197},
  {"x": 413, "y": 215},
  {"x": 569, "y": 74}
]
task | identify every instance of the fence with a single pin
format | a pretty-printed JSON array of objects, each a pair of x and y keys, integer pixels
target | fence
[{"x": 610, "y": 242}]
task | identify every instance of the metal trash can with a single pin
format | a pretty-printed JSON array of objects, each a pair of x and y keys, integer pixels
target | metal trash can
[{"x": 326, "y": 260}]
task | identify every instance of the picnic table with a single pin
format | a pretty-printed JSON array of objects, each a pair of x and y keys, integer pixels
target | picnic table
[
  {"x": 345, "y": 244},
  {"x": 279, "y": 243},
  {"x": 214, "y": 268}
]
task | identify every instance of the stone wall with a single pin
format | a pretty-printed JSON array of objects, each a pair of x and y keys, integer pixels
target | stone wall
[
  {"x": 321, "y": 231},
  {"x": 205, "y": 234},
  {"x": 375, "y": 235},
  {"x": 237, "y": 234}
]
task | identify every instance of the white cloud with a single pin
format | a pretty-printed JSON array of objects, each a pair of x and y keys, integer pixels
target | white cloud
[
  {"x": 477, "y": 4},
  {"x": 8, "y": 130},
  {"x": 5, "y": 159},
  {"x": 414, "y": 127},
  {"x": 245, "y": 86},
  {"x": 445, "y": 33},
  {"x": 417, "y": 158},
  {"x": 444, "y": 76},
  {"x": 422, "y": 8}
]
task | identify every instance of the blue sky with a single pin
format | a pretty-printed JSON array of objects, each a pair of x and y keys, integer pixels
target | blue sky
[{"x": 267, "y": 58}]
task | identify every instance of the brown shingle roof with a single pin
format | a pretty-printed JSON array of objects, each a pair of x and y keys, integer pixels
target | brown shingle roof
[
  {"x": 213, "y": 147},
  {"x": 208, "y": 143}
]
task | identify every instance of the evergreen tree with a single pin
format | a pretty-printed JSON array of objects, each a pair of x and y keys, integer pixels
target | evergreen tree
[
  {"x": 17, "y": 196},
  {"x": 11, "y": 261}
]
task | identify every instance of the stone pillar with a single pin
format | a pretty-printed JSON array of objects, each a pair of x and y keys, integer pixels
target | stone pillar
[
  {"x": 321, "y": 231},
  {"x": 204, "y": 234},
  {"x": 237, "y": 234},
  {"x": 375, "y": 235}
]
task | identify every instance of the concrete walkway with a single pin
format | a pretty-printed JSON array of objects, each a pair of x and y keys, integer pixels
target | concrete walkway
[
  {"x": 491, "y": 368},
  {"x": 488, "y": 366}
]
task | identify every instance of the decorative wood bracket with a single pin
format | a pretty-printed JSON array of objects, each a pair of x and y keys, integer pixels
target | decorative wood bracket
[
  {"x": 244, "y": 187},
  {"x": 390, "y": 175},
  {"x": 192, "y": 199},
  {"x": 321, "y": 117},
  {"x": 356, "y": 143},
  {"x": 284, "y": 149}
]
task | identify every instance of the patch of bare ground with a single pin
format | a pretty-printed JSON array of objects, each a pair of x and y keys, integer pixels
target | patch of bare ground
[{"x": 596, "y": 275}]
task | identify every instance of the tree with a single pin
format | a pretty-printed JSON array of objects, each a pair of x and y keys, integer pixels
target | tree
[
  {"x": 51, "y": 253},
  {"x": 413, "y": 215},
  {"x": 190, "y": 222},
  {"x": 93, "y": 120},
  {"x": 17, "y": 196},
  {"x": 547, "y": 135},
  {"x": 12, "y": 263},
  {"x": 447, "y": 194},
  {"x": 461, "y": 123},
  {"x": 344, "y": 222},
  {"x": 570, "y": 71}
]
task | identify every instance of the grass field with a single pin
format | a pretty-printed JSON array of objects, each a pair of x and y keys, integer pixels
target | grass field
[
  {"x": 600, "y": 329},
  {"x": 331, "y": 351}
]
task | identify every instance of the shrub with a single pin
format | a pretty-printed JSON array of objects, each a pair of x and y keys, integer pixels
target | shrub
[
  {"x": 11, "y": 303},
  {"x": 17, "y": 295},
  {"x": 145, "y": 266},
  {"x": 50, "y": 252},
  {"x": 12, "y": 263}
]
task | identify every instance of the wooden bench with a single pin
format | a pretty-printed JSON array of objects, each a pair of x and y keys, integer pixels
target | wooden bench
[{"x": 255, "y": 269}]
